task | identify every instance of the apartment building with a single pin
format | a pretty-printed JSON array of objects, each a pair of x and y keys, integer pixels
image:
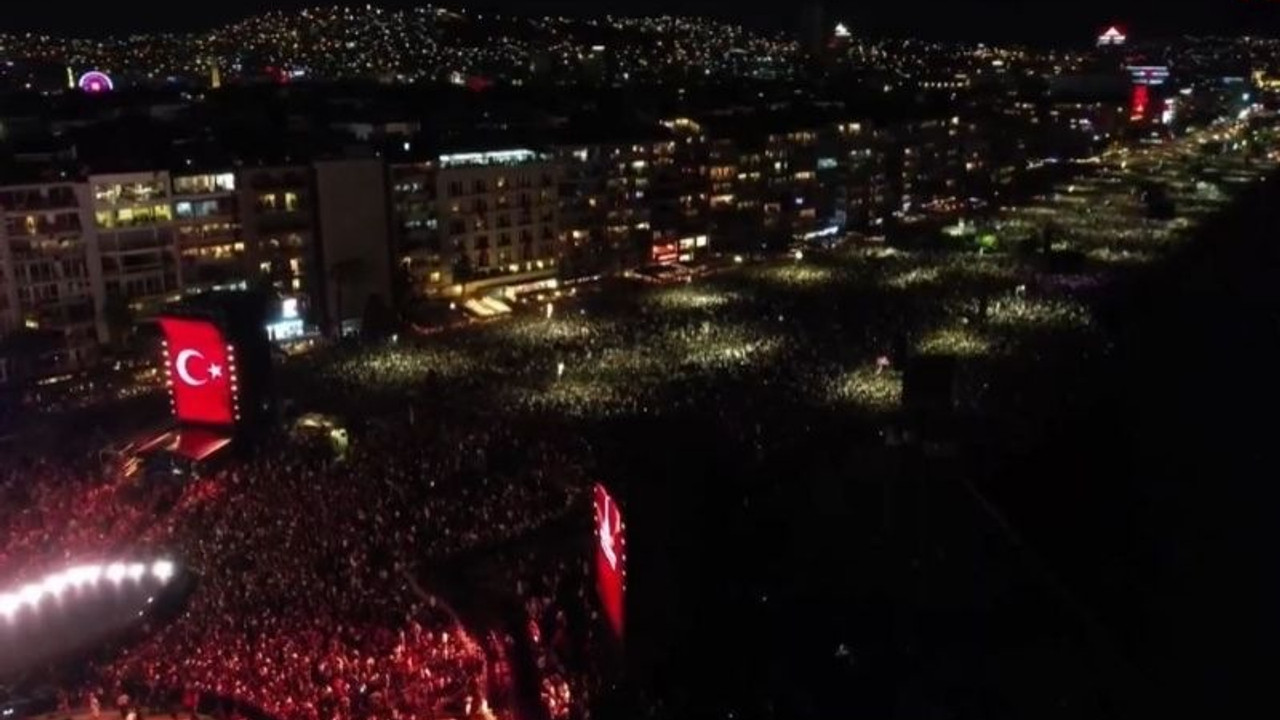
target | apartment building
[
  {"x": 275, "y": 206},
  {"x": 134, "y": 232},
  {"x": 606, "y": 202},
  {"x": 498, "y": 218},
  {"x": 47, "y": 269},
  {"x": 207, "y": 233},
  {"x": 415, "y": 224}
]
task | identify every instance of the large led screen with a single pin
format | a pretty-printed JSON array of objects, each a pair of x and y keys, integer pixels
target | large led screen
[
  {"x": 611, "y": 557},
  {"x": 200, "y": 371}
]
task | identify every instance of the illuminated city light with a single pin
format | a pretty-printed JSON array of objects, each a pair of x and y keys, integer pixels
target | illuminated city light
[
  {"x": 496, "y": 157},
  {"x": 116, "y": 572},
  {"x": 1112, "y": 37}
]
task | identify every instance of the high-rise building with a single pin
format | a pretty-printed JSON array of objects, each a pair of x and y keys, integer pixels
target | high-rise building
[
  {"x": 415, "y": 227},
  {"x": 46, "y": 273},
  {"x": 499, "y": 218},
  {"x": 277, "y": 218},
  {"x": 207, "y": 231},
  {"x": 606, "y": 200},
  {"x": 133, "y": 222}
]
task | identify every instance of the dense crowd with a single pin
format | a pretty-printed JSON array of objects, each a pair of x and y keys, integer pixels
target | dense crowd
[
  {"x": 311, "y": 566},
  {"x": 55, "y": 513}
]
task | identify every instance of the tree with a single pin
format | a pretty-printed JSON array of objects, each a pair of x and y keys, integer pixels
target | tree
[
  {"x": 462, "y": 271},
  {"x": 26, "y": 352},
  {"x": 379, "y": 321},
  {"x": 343, "y": 274},
  {"x": 119, "y": 317}
]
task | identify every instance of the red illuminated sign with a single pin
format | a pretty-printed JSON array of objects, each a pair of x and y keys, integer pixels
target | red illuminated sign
[
  {"x": 611, "y": 557},
  {"x": 666, "y": 253},
  {"x": 201, "y": 371}
]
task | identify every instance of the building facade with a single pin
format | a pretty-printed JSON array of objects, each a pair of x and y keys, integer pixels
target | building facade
[
  {"x": 47, "y": 273},
  {"x": 134, "y": 229}
]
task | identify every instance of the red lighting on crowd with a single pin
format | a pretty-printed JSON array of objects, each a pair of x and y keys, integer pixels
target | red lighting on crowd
[
  {"x": 611, "y": 557},
  {"x": 201, "y": 371}
]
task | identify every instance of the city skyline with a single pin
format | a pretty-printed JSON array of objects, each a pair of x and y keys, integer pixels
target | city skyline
[{"x": 980, "y": 20}]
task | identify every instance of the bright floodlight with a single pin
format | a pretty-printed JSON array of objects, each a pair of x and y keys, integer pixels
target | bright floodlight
[
  {"x": 9, "y": 604},
  {"x": 85, "y": 574},
  {"x": 31, "y": 594},
  {"x": 116, "y": 572},
  {"x": 162, "y": 570},
  {"x": 136, "y": 571},
  {"x": 57, "y": 583}
]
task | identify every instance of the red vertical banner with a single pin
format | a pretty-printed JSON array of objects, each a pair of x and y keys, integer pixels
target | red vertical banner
[
  {"x": 201, "y": 371},
  {"x": 611, "y": 558}
]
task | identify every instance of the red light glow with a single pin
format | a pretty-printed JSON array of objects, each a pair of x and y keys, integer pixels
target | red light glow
[
  {"x": 611, "y": 557},
  {"x": 1138, "y": 102},
  {"x": 666, "y": 253}
]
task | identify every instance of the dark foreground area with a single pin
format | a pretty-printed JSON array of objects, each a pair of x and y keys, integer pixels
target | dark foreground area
[{"x": 1123, "y": 566}]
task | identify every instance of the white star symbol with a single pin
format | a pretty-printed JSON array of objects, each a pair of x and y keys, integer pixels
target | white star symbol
[{"x": 215, "y": 371}]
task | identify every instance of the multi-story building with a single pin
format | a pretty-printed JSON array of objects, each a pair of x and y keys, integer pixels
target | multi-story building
[
  {"x": 606, "y": 201},
  {"x": 861, "y": 157},
  {"x": 499, "y": 219},
  {"x": 212, "y": 251},
  {"x": 415, "y": 227},
  {"x": 133, "y": 221},
  {"x": 46, "y": 272},
  {"x": 278, "y": 228},
  {"x": 938, "y": 162}
]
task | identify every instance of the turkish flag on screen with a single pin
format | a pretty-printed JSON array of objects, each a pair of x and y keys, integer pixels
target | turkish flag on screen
[
  {"x": 199, "y": 370},
  {"x": 611, "y": 558}
]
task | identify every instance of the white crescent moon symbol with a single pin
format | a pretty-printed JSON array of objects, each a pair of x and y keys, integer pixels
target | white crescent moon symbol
[
  {"x": 180, "y": 366},
  {"x": 606, "y": 534}
]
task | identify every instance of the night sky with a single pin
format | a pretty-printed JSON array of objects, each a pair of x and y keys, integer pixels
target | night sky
[{"x": 1030, "y": 20}]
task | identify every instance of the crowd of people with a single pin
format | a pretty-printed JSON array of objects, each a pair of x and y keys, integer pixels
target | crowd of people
[
  {"x": 58, "y": 512},
  {"x": 315, "y": 572}
]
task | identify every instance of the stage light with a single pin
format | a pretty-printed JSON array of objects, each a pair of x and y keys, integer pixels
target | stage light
[
  {"x": 85, "y": 574},
  {"x": 116, "y": 572},
  {"x": 57, "y": 583},
  {"x": 162, "y": 570},
  {"x": 31, "y": 594}
]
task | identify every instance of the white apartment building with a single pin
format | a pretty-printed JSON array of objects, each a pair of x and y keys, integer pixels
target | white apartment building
[
  {"x": 499, "y": 218},
  {"x": 133, "y": 218}
]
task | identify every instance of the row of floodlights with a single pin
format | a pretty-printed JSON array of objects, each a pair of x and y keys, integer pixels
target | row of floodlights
[{"x": 58, "y": 583}]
